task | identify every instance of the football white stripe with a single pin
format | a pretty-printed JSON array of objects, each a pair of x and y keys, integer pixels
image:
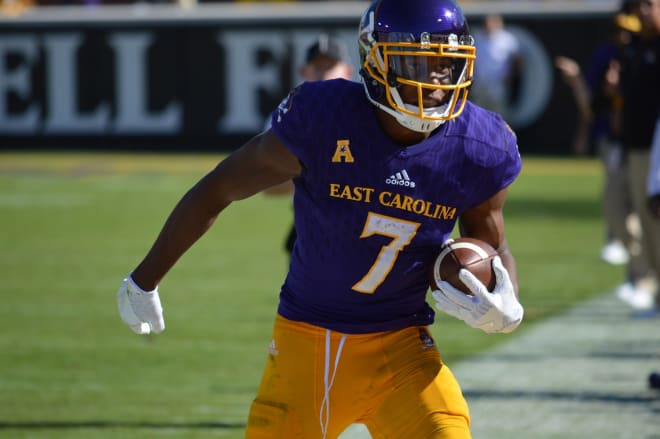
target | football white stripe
[
  {"x": 454, "y": 245},
  {"x": 475, "y": 248}
]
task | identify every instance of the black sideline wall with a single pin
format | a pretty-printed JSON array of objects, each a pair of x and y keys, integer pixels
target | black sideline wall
[{"x": 163, "y": 78}]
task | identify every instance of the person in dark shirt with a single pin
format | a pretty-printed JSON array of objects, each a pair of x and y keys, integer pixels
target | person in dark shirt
[
  {"x": 639, "y": 85},
  {"x": 599, "y": 100}
]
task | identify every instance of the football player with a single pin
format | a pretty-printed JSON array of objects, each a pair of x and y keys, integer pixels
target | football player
[{"x": 383, "y": 171}]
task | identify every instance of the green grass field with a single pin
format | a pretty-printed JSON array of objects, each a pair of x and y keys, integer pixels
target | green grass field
[{"x": 72, "y": 225}]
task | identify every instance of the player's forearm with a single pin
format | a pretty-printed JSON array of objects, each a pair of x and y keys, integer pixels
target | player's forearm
[{"x": 189, "y": 220}]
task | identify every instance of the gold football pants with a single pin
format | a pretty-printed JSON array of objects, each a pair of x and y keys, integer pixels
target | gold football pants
[{"x": 317, "y": 382}]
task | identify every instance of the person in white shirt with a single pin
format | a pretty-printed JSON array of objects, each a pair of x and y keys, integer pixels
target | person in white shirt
[{"x": 497, "y": 66}]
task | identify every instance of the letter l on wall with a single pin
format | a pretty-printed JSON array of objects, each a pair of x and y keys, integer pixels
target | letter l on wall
[{"x": 133, "y": 88}]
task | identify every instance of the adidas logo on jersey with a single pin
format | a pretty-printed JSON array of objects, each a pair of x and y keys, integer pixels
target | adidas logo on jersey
[{"x": 400, "y": 179}]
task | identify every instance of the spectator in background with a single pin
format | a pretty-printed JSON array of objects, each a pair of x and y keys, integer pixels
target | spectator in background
[
  {"x": 326, "y": 58},
  {"x": 597, "y": 98},
  {"x": 572, "y": 76},
  {"x": 623, "y": 224},
  {"x": 640, "y": 90},
  {"x": 497, "y": 67}
]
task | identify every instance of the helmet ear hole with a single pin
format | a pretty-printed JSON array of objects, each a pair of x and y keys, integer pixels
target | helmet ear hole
[{"x": 374, "y": 89}]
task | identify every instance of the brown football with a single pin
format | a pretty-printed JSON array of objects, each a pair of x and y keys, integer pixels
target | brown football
[{"x": 469, "y": 253}]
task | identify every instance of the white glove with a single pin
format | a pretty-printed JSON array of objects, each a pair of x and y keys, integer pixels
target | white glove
[
  {"x": 498, "y": 311},
  {"x": 140, "y": 310}
]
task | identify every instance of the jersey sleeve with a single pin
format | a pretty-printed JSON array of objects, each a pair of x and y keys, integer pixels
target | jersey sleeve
[
  {"x": 291, "y": 122},
  {"x": 494, "y": 160},
  {"x": 509, "y": 163}
]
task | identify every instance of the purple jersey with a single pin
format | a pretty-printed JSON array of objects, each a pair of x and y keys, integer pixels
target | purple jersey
[{"x": 370, "y": 214}]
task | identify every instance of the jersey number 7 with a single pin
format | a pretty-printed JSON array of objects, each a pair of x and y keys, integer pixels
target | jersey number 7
[{"x": 402, "y": 233}]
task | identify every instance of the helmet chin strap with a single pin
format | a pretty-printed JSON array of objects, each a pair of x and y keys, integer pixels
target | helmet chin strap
[
  {"x": 415, "y": 123},
  {"x": 407, "y": 121}
]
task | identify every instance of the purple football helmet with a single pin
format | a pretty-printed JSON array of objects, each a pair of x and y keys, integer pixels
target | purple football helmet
[{"x": 422, "y": 44}]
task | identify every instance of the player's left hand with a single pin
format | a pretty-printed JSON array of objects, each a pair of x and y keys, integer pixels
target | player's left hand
[
  {"x": 497, "y": 311},
  {"x": 140, "y": 310}
]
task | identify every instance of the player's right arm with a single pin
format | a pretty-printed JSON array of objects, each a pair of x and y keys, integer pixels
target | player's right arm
[{"x": 259, "y": 164}]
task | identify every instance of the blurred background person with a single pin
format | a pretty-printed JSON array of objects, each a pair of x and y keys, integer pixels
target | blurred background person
[
  {"x": 327, "y": 58},
  {"x": 498, "y": 66},
  {"x": 640, "y": 90},
  {"x": 605, "y": 133},
  {"x": 572, "y": 75},
  {"x": 597, "y": 98}
]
